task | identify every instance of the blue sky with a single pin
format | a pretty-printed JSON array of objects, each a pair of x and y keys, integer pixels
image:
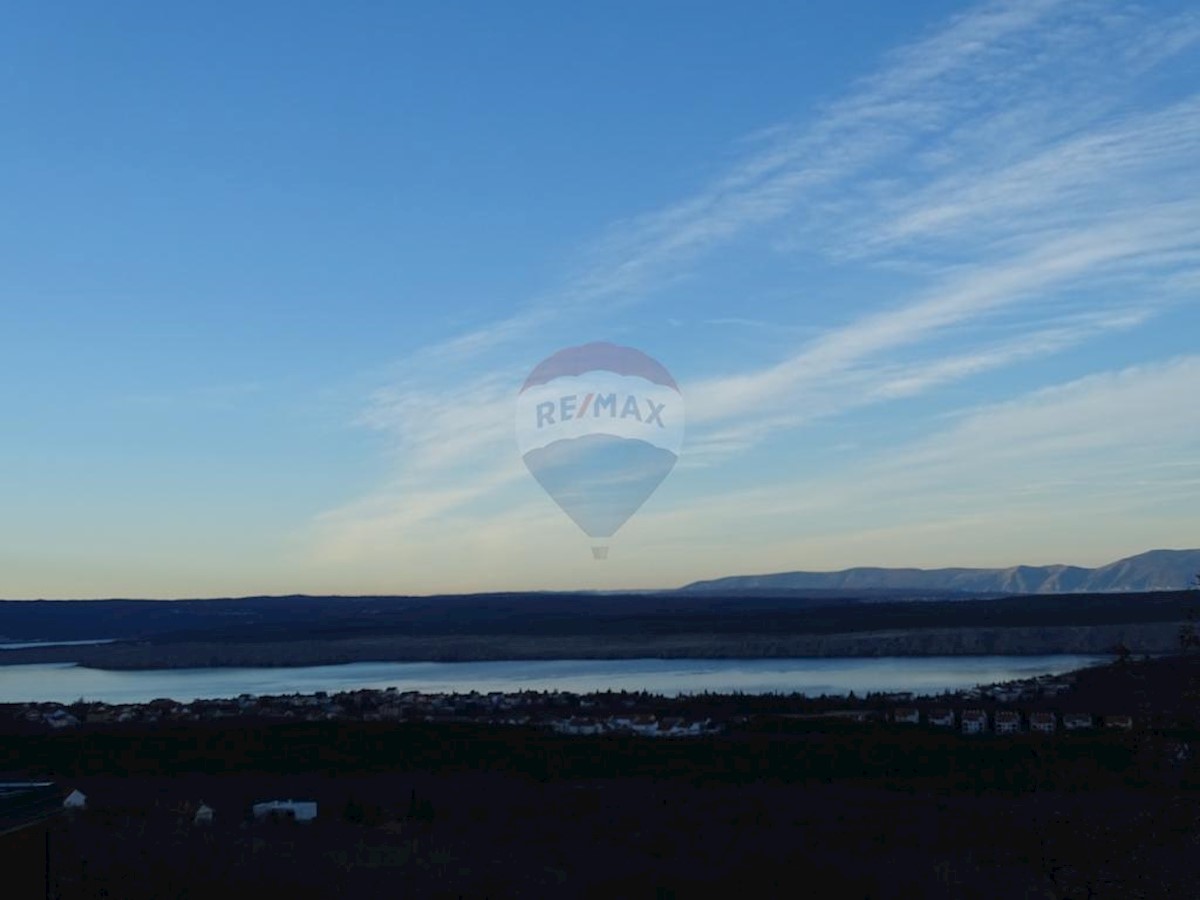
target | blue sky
[{"x": 272, "y": 274}]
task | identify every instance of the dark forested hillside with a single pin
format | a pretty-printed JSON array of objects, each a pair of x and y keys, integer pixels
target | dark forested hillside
[
  {"x": 302, "y": 617},
  {"x": 315, "y": 630}
]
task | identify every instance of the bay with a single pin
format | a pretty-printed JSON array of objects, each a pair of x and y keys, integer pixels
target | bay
[
  {"x": 66, "y": 682},
  {"x": 24, "y": 645}
]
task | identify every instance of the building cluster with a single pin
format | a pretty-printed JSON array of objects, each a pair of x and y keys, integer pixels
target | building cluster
[
  {"x": 559, "y": 710},
  {"x": 1013, "y": 707},
  {"x": 1008, "y": 721},
  {"x": 1023, "y": 690},
  {"x": 974, "y": 718},
  {"x": 645, "y": 725},
  {"x": 1036, "y": 688}
]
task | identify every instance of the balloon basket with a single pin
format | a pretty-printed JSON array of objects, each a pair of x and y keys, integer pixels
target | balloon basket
[{"x": 599, "y": 553}]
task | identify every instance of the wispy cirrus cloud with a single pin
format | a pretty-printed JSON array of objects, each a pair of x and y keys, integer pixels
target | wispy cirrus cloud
[
  {"x": 837, "y": 392},
  {"x": 450, "y": 447},
  {"x": 1071, "y": 455},
  {"x": 857, "y": 351},
  {"x": 1011, "y": 163},
  {"x": 1069, "y": 183},
  {"x": 1106, "y": 445},
  {"x": 917, "y": 89}
]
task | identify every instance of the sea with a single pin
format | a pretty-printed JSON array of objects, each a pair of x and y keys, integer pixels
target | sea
[{"x": 67, "y": 682}]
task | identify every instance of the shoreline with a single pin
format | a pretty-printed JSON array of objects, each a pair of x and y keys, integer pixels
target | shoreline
[
  {"x": 62, "y": 684},
  {"x": 1142, "y": 639}
]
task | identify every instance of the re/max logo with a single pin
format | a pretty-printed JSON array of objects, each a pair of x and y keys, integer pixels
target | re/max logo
[{"x": 570, "y": 407}]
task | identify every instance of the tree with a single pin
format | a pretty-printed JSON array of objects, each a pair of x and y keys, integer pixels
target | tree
[
  {"x": 1187, "y": 633},
  {"x": 420, "y": 810},
  {"x": 353, "y": 812}
]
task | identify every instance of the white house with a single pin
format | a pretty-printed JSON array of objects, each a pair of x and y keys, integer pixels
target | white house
[
  {"x": 942, "y": 718},
  {"x": 646, "y": 724},
  {"x": 1044, "y": 722},
  {"x": 677, "y": 727},
  {"x": 204, "y": 814},
  {"x": 1007, "y": 721},
  {"x": 907, "y": 714},
  {"x": 60, "y": 718},
  {"x": 1074, "y": 721},
  {"x": 300, "y": 810},
  {"x": 75, "y": 800},
  {"x": 974, "y": 721},
  {"x": 1125, "y": 722},
  {"x": 638, "y": 724}
]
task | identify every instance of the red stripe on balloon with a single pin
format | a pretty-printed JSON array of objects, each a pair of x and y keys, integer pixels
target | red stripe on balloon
[{"x": 599, "y": 356}]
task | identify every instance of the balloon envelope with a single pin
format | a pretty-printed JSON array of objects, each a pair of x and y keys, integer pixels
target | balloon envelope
[{"x": 600, "y": 426}]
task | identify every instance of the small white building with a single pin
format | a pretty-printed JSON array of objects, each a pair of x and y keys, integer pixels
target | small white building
[
  {"x": 638, "y": 724},
  {"x": 1007, "y": 721},
  {"x": 646, "y": 724},
  {"x": 299, "y": 810},
  {"x": 1045, "y": 722},
  {"x": 1125, "y": 722},
  {"x": 60, "y": 718},
  {"x": 942, "y": 718},
  {"x": 974, "y": 721},
  {"x": 678, "y": 727},
  {"x": 75, "y": 800},
  {"x": 1075, "y": 721},
  {"x": 204, "y": 814},
  {"x": 909, "y": 715}
]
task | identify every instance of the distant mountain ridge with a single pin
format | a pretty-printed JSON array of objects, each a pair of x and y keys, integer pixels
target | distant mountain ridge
[{"x": 1155, "y": 570}]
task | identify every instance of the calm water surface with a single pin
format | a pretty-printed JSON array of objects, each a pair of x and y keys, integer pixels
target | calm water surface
[{"x": 65, "y": 682}]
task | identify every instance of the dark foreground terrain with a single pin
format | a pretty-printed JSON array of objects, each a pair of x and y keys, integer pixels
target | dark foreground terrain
[
  {"x": 776, "y": 807},
  {"x": 498, "y": 835}
]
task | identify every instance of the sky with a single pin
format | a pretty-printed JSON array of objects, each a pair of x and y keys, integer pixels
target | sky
[{"x": 272, "y": 276}]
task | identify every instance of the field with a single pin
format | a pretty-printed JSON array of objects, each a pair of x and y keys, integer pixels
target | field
[{"x": 450, "y": 810}]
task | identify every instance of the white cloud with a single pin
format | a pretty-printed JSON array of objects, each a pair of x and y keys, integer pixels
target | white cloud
[
  {"x": 1088, "y": 255},
  {"x": 1007, "y": 162},
  {"x": 1111, "y": 445},
  {"x": 919, "y": 88}
]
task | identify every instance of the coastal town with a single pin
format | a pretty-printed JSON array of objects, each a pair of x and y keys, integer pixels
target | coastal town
[
  {"x": 358, "y": 787},
  {"x": 1042, "y": 704},
  {"x": 559, "y": 711}
]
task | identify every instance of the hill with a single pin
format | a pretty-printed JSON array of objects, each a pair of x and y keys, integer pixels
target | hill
[
  {"x": 291, "y": 631},
  {"x": 1155, "y": 570}
]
